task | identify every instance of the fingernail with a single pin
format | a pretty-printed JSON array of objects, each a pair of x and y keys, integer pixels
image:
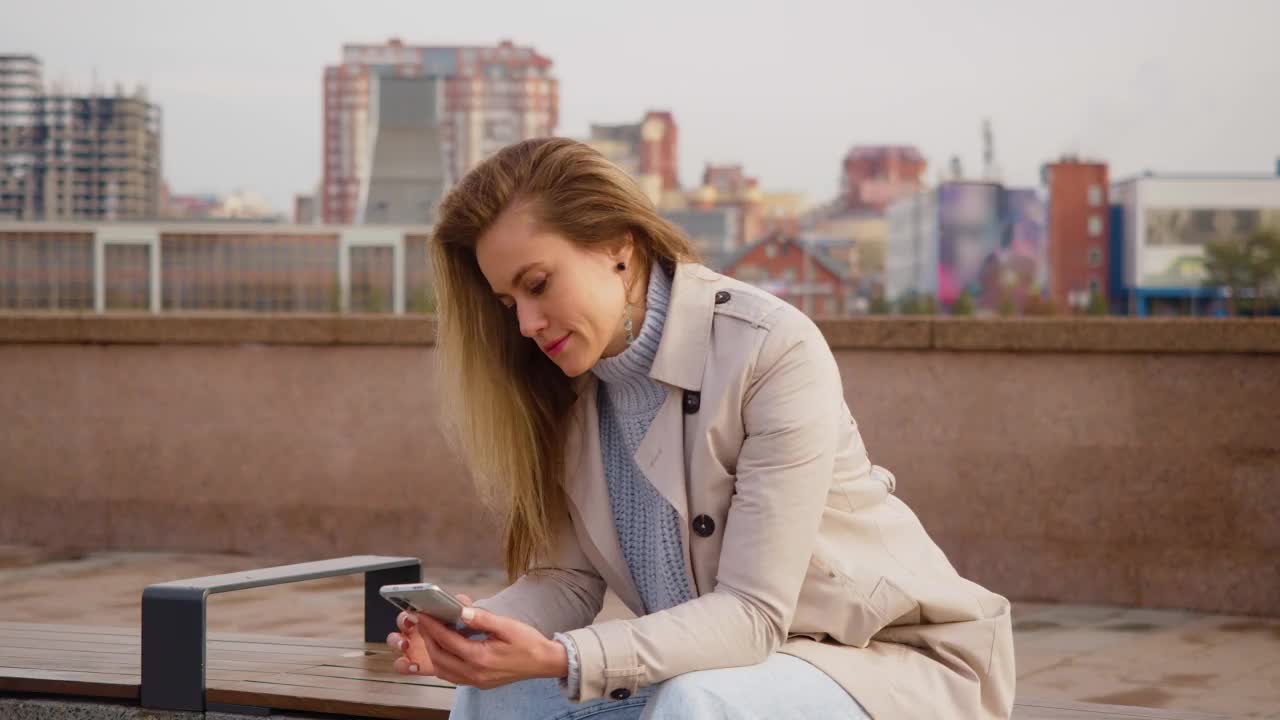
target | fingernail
[
  {"x": 404, "y": 645},
  {"x": 413, "y": 668},
  {"x": 468, "y": 614},
  {"x": 410, "y": 620}
]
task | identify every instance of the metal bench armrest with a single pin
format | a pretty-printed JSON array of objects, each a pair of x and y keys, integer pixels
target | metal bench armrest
[{"x": 174, "y": 636}]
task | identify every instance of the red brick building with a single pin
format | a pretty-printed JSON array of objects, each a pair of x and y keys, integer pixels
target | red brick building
[
  {"x": 648, "y": 150},
  {"x": 1078, "y": 231},
  {"x": 659, "y": 148},
  {"x": 873, "y": 176},
  {"x": 803, "y": 276}
]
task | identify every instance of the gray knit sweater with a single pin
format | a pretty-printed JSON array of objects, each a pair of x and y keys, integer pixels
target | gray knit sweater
[{"x": 648, "y": 527}]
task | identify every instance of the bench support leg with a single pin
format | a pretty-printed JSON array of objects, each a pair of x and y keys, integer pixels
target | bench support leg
[
  {"x": 380, "y": 615},
  {"x": 173, "y": 648}
]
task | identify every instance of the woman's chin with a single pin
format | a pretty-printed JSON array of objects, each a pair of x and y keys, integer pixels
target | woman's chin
[
  {"x": 572, "y": 369},
  {"x": 572, "y": 364}
]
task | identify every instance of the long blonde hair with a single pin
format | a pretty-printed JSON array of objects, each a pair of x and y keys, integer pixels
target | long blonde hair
[{"x": 506, "y": 403}]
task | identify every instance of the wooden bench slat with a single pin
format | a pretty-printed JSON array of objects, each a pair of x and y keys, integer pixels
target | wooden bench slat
[
  {"x": 348, "y": 644},
  {"x": 388, "y": 684},
  {"x": 384, "y": 675},
  {"x": 11, "y": 634},
  {"x": 79, "y": 684},
  {"x": 63, "y": 627},
  {"x": 429, "y": 703},
  {"x": 76, "y": 646},
  {"x": 318, "y": 651},
  {"x": 16, "y": 652},
  {"x": 134, "y": 632},
  {"x": 132, "y": 665},
  {"x": 222, "y": 660}
]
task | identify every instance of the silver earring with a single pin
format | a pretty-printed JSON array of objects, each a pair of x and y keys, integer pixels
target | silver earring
[{"x": 627, "y": 326}]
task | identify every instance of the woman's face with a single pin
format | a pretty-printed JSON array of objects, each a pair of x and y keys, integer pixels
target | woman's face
[{"x": 568, "y": 300}]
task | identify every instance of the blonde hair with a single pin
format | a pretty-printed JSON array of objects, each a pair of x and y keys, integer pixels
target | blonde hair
[{"x": 505, "y": 402}]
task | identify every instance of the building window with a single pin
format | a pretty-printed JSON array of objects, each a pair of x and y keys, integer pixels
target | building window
[
  {"x": 1095, "y": 287},
  {"x": 1095, "y": 226},
  {"x": 1095, "y": 257},
  {"x": 1095, "y": 195},
  {"x": 771, "y": 250}
]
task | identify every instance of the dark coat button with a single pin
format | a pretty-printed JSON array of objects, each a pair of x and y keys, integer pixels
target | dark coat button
[
  {"x": 722, "y": 297},
  {"x": 692, "y": 401},
  {"x": 620, "y": 694},
  {"x": 704, "y": 526}
]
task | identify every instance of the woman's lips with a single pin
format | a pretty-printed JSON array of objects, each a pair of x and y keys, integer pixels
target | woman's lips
[{"x": 554, "y": 348}]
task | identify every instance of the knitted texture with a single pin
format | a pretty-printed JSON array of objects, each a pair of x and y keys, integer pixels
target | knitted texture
[{"x": 648, "y": 526}]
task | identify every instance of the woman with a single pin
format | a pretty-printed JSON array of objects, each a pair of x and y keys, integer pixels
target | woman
[{"x": 680, "y": 438}]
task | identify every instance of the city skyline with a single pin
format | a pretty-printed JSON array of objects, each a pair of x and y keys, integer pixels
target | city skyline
[{"x": 1173, "y": 87}]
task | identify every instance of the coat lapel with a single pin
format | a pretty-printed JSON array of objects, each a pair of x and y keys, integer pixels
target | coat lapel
[
  {"x": 660, "y": 455},
  {"x": 679, "y": 364},
  {"x": 587, "y": 491}
]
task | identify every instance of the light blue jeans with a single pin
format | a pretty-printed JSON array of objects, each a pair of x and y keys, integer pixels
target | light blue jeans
[{"x": 780, "y": 688}]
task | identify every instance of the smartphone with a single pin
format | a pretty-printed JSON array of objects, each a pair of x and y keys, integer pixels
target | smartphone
[{"x": 427, "y": 599}]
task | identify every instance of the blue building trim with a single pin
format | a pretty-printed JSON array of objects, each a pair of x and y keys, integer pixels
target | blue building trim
[
  {"x": 1116, "y": 262},
  {"x": 1142, "y": 296}
]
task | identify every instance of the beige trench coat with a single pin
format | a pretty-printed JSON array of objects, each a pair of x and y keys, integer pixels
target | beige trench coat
[{"x": 794, "y": 541}]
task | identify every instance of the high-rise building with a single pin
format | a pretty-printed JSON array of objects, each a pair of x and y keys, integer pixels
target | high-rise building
[
  {"x": 404, "y": 176},
  {"x": 492, "y": 97},
  {"x": 68, "y": 156},
  {"x": 1078, "y": 231},
  {"x": 874, "y": 176},
  {"x": 647, "y": 150}
]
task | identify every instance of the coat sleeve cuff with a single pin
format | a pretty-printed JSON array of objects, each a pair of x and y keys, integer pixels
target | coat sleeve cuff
[
  {"x": 607, "y": 663},
  {"x": 572, "y": 681}
]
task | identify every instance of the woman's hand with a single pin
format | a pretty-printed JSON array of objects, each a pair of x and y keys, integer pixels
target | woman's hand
[
  {"x": 409, "y": 645},
  {"x": 411, "y": 651},
  {"x": 512, "y": 651}
]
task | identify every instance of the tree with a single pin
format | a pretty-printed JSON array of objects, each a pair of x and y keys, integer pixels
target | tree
[
  {"x": 1247, "y": 267},
  {"x": 1038, "y": 304},
  {"x": 879, "y": 306},
  {"x": 963, "y": 304},
  {"x": 1097, "y": 304},
  {"x": 909, "y": 304},
  {"x": 423, "y": 301}
]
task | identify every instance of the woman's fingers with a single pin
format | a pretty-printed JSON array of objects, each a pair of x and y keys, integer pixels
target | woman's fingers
[
  {"x": 451, "y": 641},
  {"x": 464, "y": 599},
  {"x": 394, "y": 641},
  {"x": 405, "y": 621},
  {"x": 405, "y": 666},
  {"x": 446, "y": 665}
]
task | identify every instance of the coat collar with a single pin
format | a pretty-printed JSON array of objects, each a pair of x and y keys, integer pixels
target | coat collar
[{"x": 686, "y": 336}]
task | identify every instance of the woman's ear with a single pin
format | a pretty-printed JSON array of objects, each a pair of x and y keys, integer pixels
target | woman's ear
[{"x": 623, "y": 250}]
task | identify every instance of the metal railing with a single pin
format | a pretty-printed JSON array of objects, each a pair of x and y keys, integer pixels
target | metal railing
[{"x": 214, "y": 267}]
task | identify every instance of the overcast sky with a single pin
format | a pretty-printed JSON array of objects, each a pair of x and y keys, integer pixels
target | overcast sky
[{"x": 785, "y": 87}]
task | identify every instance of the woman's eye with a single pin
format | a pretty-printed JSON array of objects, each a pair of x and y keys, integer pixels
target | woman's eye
[{"x": 540, "y": 288}]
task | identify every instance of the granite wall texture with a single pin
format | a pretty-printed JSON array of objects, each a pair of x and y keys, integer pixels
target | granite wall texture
[{"x": 1088, "y": 461}]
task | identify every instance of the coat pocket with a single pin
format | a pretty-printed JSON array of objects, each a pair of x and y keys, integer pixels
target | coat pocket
[{"x": 839, "y": 606}]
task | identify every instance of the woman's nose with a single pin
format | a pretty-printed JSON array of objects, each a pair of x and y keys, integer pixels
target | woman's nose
[{"x": 532, "y": 321}]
